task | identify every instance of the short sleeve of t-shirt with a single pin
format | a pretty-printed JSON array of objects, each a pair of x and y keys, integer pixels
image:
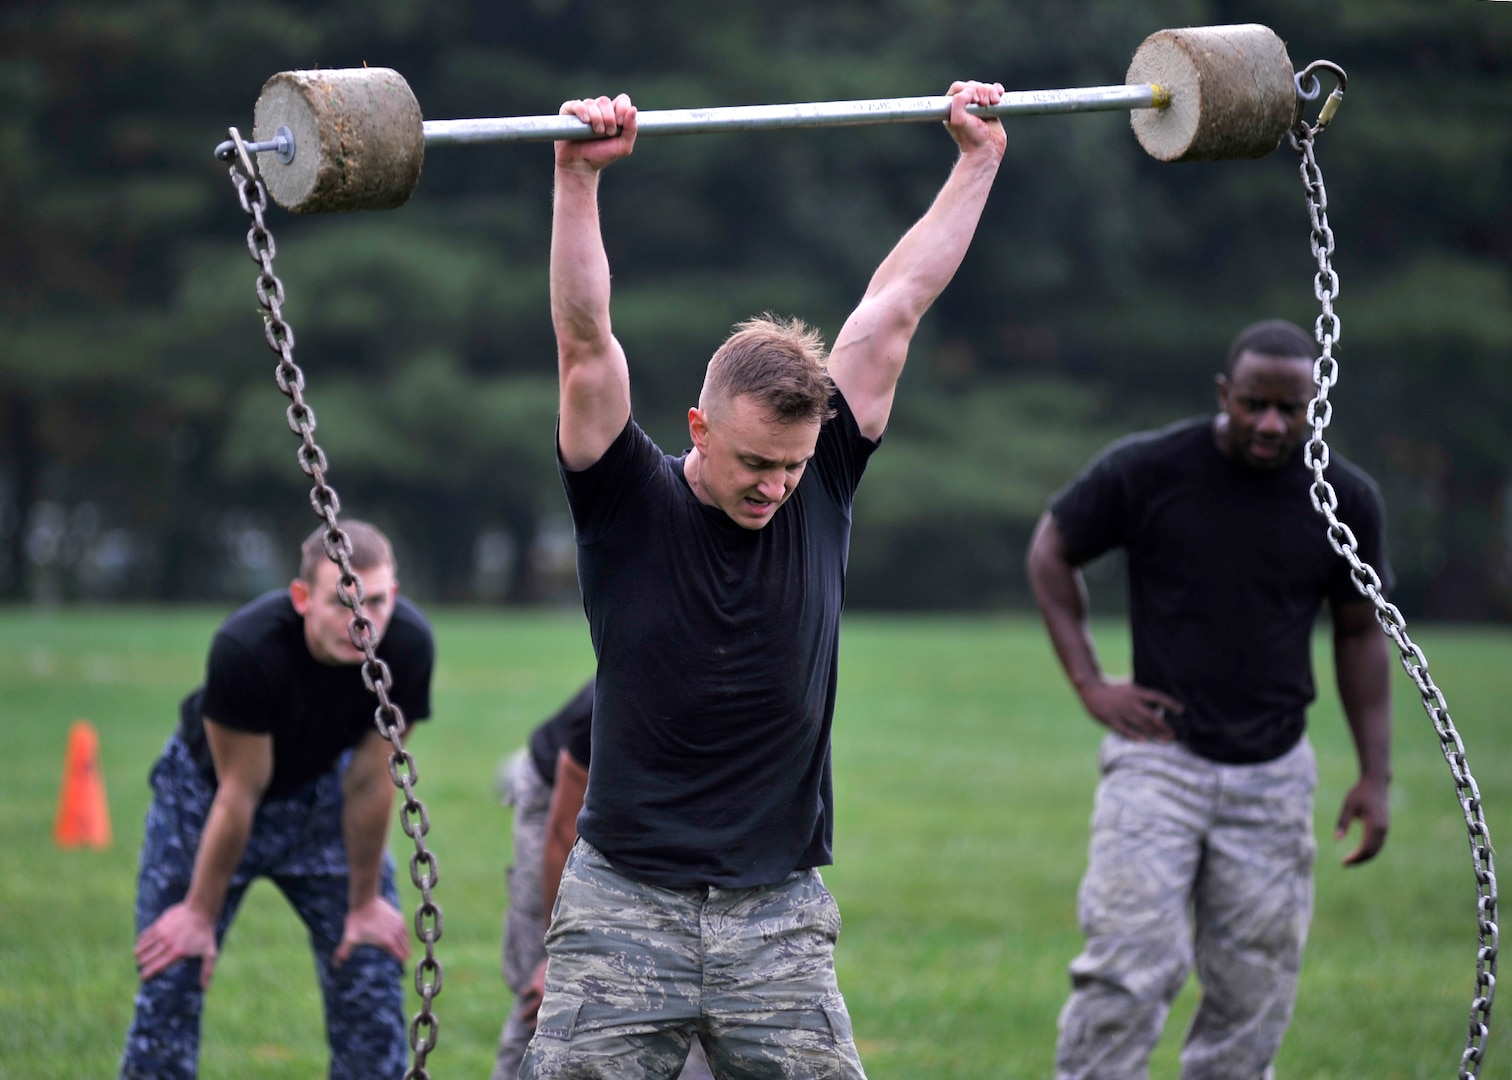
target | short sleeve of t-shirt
[
  {"x": 1093, "y": 511},
  {"x": 599, "y": 494},
  {"x": 842, "y": 452},
  {"x": 239, "y": 689},
  {"x": 1364, "y": 511},
  {"x": 579, "y": 741},
  {"x": 409, "y": 648},
  {"x": 569, "y": 728}
]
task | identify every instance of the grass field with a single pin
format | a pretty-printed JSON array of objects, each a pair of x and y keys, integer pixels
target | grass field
[{"x": 963, "y": 772}]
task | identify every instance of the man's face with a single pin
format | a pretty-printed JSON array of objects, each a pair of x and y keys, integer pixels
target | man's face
[
  {"x": 326, "y": 618},
  {"x": 1264, "y": 404},
  {"x": 751, "y": 462}
]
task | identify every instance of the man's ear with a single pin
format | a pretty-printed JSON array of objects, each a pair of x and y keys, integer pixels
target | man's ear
[
  {"x": 698, "y": 429},
  {"x": 1221, "y": 388},
  {"x": 299, "y": 595}
]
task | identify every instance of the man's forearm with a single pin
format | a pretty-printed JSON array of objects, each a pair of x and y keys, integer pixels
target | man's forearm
[
  {"x": 1362, "y": 662},
  {"x": 923, "y": 262},
  {"x": 579, "y": 264},
  {"x": 364, "y": 828},
  {"x": 1062, "y": 597},
  {"x": 367, "y": 801},
  {"x": 228, "y": 826}
]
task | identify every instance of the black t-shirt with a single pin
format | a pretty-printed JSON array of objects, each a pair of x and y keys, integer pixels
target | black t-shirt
[
  {"x": 1228, "y": 568},
  {"x": 717, "y": 664},
  {"x": 260, "y": 678},
  {"x": 568, "y": 729}
]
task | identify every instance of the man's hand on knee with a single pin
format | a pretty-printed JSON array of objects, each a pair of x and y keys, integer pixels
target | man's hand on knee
[
  {"x": 376, "y": 922},
  {"x": 177, "y": 934}
]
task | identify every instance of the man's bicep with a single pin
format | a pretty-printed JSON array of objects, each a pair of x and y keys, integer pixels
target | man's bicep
[
  {"x": 1352, "y": 616},
  {"x": 867, "y": 361},
  {"x": 595, "y": 403},
  {"x": 242, "y": 759}
]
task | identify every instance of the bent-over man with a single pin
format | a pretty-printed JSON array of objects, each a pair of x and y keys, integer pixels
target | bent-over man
[
  {"x": 1202, "y": 837},
  {"x": 692, "y": 906},
  {"x": 278, "y": 770}
]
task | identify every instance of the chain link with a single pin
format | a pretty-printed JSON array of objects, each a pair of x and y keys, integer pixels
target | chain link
[
  {"x": 424, "y": 1029},
  {"x": 1324, "y": 500}
]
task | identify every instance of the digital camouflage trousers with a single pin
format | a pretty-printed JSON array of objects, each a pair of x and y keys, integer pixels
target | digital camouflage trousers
[
  {"x": 296, "y": 842},
  {"x": 1192, "y": 864},
  {"x": 637, "y": 972}
]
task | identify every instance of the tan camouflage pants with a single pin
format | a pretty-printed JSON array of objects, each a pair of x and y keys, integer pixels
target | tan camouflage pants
[
  {"x": 522, "y": 788},
  {"x": 1192, "y": 863},
  {"x": 637, "y": 972}
]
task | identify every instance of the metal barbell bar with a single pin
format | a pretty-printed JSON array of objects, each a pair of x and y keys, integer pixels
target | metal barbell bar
[
  {"x": 354, "y": 139},
  {"x": 522, "y": 129}
]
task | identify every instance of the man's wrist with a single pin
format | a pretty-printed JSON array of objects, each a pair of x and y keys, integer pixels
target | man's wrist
[
  {"x": 579, "y": 169},
  {"x": 201, "y": 907}
]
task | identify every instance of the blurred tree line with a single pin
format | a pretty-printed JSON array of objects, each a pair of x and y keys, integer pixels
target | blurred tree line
[{"x": 143, "y": 453}]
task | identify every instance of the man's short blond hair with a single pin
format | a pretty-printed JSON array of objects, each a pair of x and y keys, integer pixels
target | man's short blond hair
[
  {"x": 779, "y": 363},
  {"x": 370, "y": 549}
]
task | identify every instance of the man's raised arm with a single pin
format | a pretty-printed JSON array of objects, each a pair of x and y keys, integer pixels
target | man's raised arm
[
  {"x": 594, "y": 377},
  {"x": 870, "y": 351}
]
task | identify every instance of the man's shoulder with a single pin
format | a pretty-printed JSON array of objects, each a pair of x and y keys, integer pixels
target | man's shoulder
[
  {"x": 269, "y": 617},
  {"x": 841, "y": 423},
  {"x": 259, "y": 642},
  {"x": 1174, "y": 439},
  {"x": 633, "y": 463},
  {"x": 1176, "y": 445},
  {"x": 631, "y": 444},
  {"x": 1343, "y": 473},
  {"x": 410, "y": 627}
]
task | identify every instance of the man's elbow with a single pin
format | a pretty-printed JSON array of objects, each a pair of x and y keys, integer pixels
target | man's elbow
[
  {"x": 1046, "y": 554},
  {"x": 580, "y": 331},
  {"x": 239, "y": 799}
]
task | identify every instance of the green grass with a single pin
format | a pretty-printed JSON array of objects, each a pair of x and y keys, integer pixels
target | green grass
[{"x": 963, "y": 772}]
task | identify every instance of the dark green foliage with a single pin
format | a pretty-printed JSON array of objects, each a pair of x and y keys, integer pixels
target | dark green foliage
[{"x": 1099, "y": 296}]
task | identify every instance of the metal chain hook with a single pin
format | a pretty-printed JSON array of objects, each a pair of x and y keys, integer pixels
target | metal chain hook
[
  {"x": 1308, "y": 88},
  {"x": 1368, "y": 583},
  {"x": 388, "y": 717}
]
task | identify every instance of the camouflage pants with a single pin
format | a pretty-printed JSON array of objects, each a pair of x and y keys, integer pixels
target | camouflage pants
[
  {"x": 521, "y": 786},
  {"x": 296, "y": 841},
  {"x": 637, "y": 972},
  {"x": 1191, "y": 862},
  {"x": 524, "y": 948}
]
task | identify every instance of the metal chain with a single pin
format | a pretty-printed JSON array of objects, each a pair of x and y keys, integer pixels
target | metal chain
[
  {"x": 1324, "y": 500},
  {"x": 253, "y": 195}
]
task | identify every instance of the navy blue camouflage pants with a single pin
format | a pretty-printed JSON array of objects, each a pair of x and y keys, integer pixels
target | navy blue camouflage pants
[{"x": 296, "y": 842}]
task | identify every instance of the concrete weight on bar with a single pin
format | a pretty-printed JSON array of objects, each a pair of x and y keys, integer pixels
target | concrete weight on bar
[
  {"x": 1231, "y": 88},
  {"x": 1202, "y": 93},
  {"x": 358, "y": 139}
]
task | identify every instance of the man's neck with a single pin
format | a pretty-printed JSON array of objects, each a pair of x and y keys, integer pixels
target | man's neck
[{"x": 693, "y": 474}]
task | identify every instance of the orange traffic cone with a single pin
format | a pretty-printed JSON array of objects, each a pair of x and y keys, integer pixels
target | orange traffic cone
[{"x": 83, "y": 816}]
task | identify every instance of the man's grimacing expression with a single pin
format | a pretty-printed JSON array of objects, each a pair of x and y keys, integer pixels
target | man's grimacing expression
[
  {"x": 750, "y": 461},
  {"x": 1264, "y": 408}
]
